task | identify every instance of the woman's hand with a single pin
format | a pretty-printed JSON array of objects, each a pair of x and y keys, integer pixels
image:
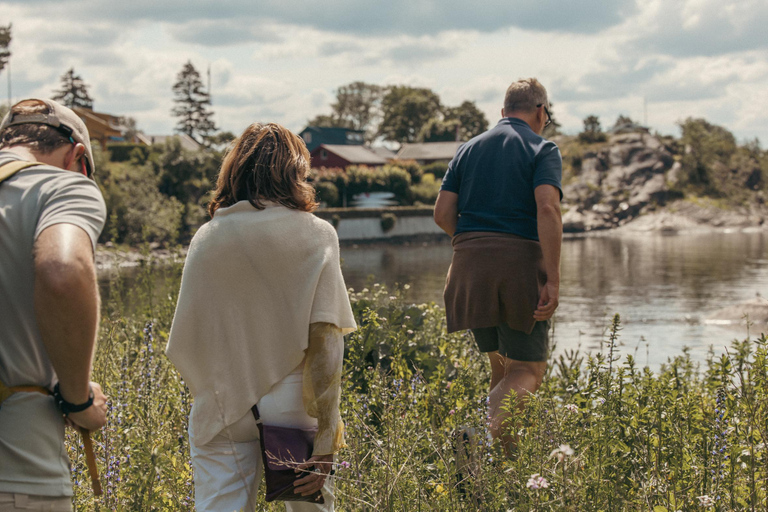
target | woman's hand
[{"x": 316, "y": 470}]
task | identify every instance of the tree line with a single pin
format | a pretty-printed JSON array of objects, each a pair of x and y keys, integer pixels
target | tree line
[{"x": 401, "y": 113}]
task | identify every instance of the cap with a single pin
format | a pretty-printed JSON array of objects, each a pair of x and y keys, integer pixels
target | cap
[{"x": 58, "y": 116}]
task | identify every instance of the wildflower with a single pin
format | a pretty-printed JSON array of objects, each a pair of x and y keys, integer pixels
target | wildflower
[
  {"x": 706, "y": 501},
  {"x": 409, "y": 331},
  {"x": 452, "y": 412},
  {"x": 406, "y": 287},
  {"x": 572, "y": 408},
  {"x": 344, "y": 464},
  {"x": 561, "y": 452},
  {"x": 537, "y": 482},
  {"x": 392, "y": 297}
]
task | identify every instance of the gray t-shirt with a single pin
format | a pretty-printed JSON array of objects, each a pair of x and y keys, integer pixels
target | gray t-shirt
[{"x": 33, "y": 458}]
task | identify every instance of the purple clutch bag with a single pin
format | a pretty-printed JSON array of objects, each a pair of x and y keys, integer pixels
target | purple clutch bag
[{"x": 282, "y": 448}]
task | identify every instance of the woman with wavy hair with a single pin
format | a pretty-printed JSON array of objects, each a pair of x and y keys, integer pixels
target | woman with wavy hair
[{"x": 260, "y": 320}]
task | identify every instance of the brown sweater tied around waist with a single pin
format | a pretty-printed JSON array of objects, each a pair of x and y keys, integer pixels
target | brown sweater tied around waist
[{"x": 494, "y": 278}]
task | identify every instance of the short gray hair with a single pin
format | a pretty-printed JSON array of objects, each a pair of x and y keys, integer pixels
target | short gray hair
[{"x": 524, "y": 95}]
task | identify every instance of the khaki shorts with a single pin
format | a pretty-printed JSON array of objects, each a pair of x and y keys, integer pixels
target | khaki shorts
[{"x": 14, "y": 501}]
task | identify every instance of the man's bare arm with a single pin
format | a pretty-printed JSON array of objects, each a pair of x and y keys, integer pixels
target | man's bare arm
[
  {"x": 67, "y": 310},
  {"x": 447, "y": 211},
  {"x": 550, "y": 226}
]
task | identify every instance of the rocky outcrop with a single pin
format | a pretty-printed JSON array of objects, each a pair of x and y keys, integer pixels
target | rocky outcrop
[
  {"x": 625, "y": 184},
  {"x": 615, "y": 184}
]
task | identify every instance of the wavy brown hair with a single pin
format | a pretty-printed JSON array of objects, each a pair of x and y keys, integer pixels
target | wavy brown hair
[{"x": 266, "y": 163}]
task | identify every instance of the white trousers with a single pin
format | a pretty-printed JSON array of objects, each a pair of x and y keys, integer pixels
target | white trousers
[{"x": 228, "y": 468}]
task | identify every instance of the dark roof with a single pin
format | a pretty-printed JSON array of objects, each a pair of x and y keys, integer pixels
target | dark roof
[
  {"x": 326, "y": 135},
  {"x": 359, "y": 155},
  {"x": 383, "y": 152},
  {"x": 428, "y": 151}
]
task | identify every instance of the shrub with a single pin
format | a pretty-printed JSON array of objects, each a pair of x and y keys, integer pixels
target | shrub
[
  {"x": 426, "y": 191},
  {"x": 413, "y": 168},
  {"x": 438, "y": 169},
  {"x": 388, "y": 221},
  {"x": 327, "y": 193},
  {"x": 592, "y": 131},
  {"x": 392, "y": 178},
  {"x": 138, "y": 212},
  {"x": 125, "y": 151}
]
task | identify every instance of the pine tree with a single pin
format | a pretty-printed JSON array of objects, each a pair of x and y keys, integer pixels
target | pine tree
[
  {"x": 73, "y": 92},
  {"x": 5, "y": 42},
  {"x": 192, "y": 102}
]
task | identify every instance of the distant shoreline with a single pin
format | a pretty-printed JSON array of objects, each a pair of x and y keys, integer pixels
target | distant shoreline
[{"x": 678, "y": 218}]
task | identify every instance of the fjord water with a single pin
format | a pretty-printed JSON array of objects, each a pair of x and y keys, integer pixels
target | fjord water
[{"x": 664, "y": 287}]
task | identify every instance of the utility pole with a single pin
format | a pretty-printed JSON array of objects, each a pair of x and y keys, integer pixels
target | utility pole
[
  {"x": 209, "y": 84},
  {"x": 645, "y": 111}
]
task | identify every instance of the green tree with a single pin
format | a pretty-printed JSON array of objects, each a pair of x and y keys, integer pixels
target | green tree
[
  {"x": 128, "y": 127},
  {"x": 330, "y": 121},
  {"x": 221, "y": 140},
  {"x": 593, "y": 132},
  {"x": 74, "y": 91},
  {"x": 623, "y": 120},
  {"x": 5, "y": 43},
  {"x": 187, "y": 176},
  {"x": 472, "y": 121},
  {"x": 440, "y": 130},
  {"x": 405, "y": 111},
  {"x": 357, "y": 107},
  {"x": 192, "y": 104},
  {"x": 357, "y": 104},
  {"x": 706, "y": 148}
]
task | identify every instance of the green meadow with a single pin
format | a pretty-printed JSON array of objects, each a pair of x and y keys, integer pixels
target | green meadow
[{"x": 603, "y": 433}]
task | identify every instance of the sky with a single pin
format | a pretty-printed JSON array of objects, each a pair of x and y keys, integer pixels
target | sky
[{"x": 657, "y": 61}]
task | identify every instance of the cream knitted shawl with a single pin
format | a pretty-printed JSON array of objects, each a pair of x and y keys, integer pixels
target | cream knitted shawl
[{"x": 253, "y": 282}]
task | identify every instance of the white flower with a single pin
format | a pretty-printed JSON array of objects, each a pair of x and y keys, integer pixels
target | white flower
[
  {"x": 571, "y": 407},
  {"x": 561, "y": 452},
  {"x": 537, "y": 482},
  {"x": 706, "y": 501}
]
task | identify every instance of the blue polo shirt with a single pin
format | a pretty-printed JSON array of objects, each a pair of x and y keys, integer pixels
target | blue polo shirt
[{"x": 495, "y": 175}]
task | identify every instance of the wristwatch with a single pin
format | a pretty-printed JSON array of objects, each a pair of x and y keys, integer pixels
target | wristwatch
[{"x": 67, "y": 407}]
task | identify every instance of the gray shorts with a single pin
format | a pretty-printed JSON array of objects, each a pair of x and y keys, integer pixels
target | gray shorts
[{"x": 515, "y": 344}]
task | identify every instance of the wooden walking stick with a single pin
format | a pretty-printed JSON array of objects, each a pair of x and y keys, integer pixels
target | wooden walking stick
[{"x": 90, "y": 461}]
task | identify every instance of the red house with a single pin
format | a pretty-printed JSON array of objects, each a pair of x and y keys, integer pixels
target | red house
[{"x": 337, "y": 155}]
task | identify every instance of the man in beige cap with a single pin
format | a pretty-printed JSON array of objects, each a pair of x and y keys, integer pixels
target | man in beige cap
[{"x": 51, "y": 215}]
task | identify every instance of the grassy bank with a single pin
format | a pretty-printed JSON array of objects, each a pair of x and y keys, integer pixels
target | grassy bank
[{"x": 603, "y": 433}]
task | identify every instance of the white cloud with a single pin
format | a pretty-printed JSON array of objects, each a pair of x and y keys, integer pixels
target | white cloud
[{"x": 281, "y": 62}]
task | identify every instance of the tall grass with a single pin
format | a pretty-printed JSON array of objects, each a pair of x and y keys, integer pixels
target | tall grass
[{"x": 601, "y": 434}]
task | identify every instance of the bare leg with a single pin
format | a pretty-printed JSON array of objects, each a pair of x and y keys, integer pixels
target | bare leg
[
  {"x": 497, "y": 368},
  {"x": 522, "y": 377}
]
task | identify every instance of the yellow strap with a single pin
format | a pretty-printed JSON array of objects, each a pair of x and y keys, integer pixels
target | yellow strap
[
  {"x": 6, "y": 392},
  {"x": 11, "y": 168}
]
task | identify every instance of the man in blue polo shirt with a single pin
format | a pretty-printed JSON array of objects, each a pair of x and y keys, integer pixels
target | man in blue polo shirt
[{"x": 500, "y": 201}]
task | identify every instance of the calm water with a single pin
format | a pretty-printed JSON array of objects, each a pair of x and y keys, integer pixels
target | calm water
[{"x": 664, "y": 287}]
